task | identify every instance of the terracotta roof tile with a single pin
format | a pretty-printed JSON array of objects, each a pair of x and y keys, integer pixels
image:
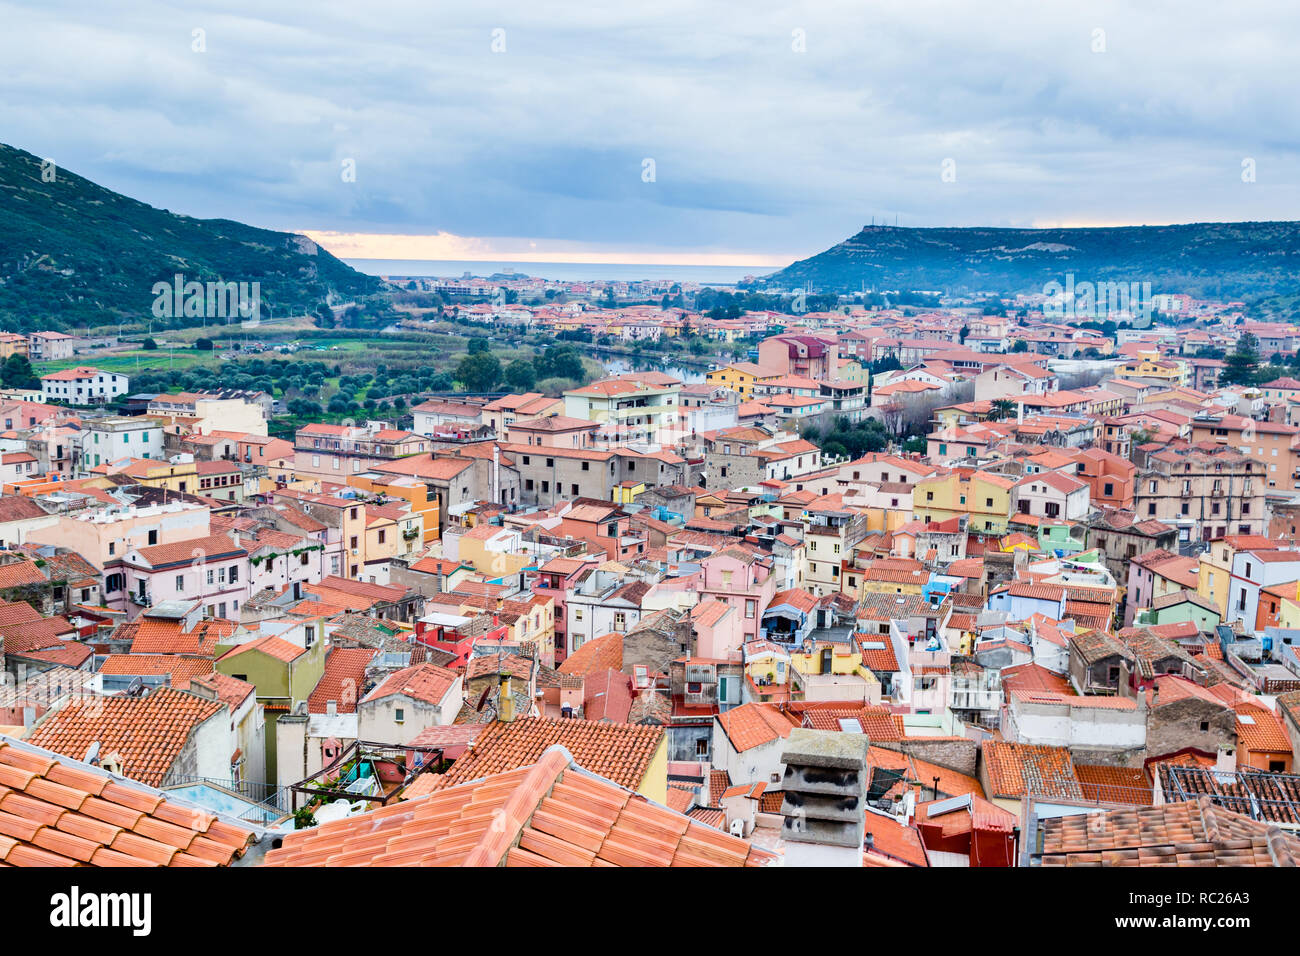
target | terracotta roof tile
[
  {"x": 548, "y": 813},
  {"x": 148, "y": 732},
  {"x": 598, "y": 654},
  {"x": 1015, "y": 769},
  {"x": 751, "y": 725},
  {"x": 272, "y": 646},
  {"x": 1186, "y": 833},
  {"x": 621, "y": 752},
  {"x": 343, "y": 680},
  {"x": 426, "y": 682},
  {"x": 158, "y": 636},
  {"x": 57, "y": 813}
]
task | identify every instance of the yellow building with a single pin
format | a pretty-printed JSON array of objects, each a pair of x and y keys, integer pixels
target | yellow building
[
  {"x": 1288, "y": 614},
  {"x": 740, "y": 377},
  {"x": 984, "y": 497},
  {"x": 827, "y": 661},
  {"x": 852, "y": 372},
  {"x": 1214, "y": 573},
  {"x": 424, "y": 506},
  {"x": 494, "y": 551},
  {"x": 182, "y": 476},
  {"x": 1150, "y": 365},
  {"x": 625, "y": 492}
]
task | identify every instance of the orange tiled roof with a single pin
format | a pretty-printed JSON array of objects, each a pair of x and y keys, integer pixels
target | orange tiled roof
[
  {"x": 17, "y": 573},
  {"x": 345, "y": 673},
  {"x": 1259, "y": 730},
  {"x": 270, "y": 645},
  {"x": 1015, "y": 769},
  {"x": 148, "y": 732},
  {"x": 426, "y": 682},
  {"x": 549, "y": 813},
  {"x": 621, "y": 752},
  {"x": 156, "y": 636},
  {"x": 1114, "y": 784},
  {"x": 56, "y": 813},
  {"x": 599, "y": 654},
  {"x": 751, "y": 725},
  {"x": 180, "y": 668},
  {"x": 231, "y": 691},
  {"x": 1186, "y": 833}
]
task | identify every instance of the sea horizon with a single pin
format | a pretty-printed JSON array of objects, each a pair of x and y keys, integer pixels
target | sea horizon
[{"x": 559, "y": 271}]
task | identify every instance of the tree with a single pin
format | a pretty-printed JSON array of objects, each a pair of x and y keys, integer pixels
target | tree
[
  {"x": 476, "y": 345},
  {"x": 17, "y": 373},
  {"x": 521, "y": 375},
  {"x": 479, "y": 372},
  {"x": 149, "y": 345},
  {"x": 1242, "y": 364},
  {"x": 203, "y": 345},
  {"x": 1020, "y": 346},
  {"x": 1003, "y": 408}
]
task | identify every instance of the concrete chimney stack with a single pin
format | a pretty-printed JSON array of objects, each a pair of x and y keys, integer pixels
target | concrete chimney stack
[{"x": 825, "y": 789}]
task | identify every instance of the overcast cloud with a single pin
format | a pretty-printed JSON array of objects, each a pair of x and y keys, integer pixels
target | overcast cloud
[{"x": 759, "y": 149}]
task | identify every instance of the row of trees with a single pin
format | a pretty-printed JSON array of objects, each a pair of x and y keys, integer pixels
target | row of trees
[{"x": 481, "y": 371}]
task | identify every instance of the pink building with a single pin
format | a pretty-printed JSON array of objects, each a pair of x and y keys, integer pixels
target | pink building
[
  {"x": 212, "y": 570},
  {"x": 742, "y": 579},
  {"x": 555, "y": 431},
  {"x": 804, "y": 355},
  {"x": 554, "y": 578},
  {"x": 719, "y": 630}
]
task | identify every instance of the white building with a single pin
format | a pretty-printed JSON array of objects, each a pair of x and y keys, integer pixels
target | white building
[
  {"x": 409, "y": 701},
  {"x": 1052, "y": 494},
  {"x": 83, "y": 385},
  {"x": 111, "y": 439}
]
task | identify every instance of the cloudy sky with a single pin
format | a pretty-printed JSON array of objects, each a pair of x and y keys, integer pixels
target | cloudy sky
[{"x": 747, "y": 133}]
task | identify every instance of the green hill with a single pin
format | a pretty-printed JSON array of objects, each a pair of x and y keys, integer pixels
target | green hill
[
  {"x": 1214, "y": 260},
  {"x": 74, "y": 254}
]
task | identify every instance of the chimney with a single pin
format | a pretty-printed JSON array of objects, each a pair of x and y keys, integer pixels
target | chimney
[
  {"x": 825, "y": 787},
  {"x": 332, "y": 708},
  {"x": 505, "y": 702},
  {"x": 1226, "y": 761}
]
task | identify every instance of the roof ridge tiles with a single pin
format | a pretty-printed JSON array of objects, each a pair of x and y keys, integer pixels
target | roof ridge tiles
[{"x": 510, "y": 820}]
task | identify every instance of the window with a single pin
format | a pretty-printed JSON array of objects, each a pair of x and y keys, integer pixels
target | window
[
  {"x": 620, "y": 621},
  {"x": 153, "y": 536},
  {"x": 399, "y": 716},
  {"x": 212, "y": 577},
  {"x": 1205, "y": 725},
  {"x": 383, "y": 535},
  {"x": 180, "y": 582},
  {"x": 234, "y": 570},
  {"x": 577, "y": 614},
  {"x": 749, "y": 609},
  {"x": 702, "y": 747}
]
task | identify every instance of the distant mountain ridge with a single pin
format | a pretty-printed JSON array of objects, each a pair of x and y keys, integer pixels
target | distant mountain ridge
[
  {"x": 1212, "y": 260},
  {"x": 73, "y": 253}
]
